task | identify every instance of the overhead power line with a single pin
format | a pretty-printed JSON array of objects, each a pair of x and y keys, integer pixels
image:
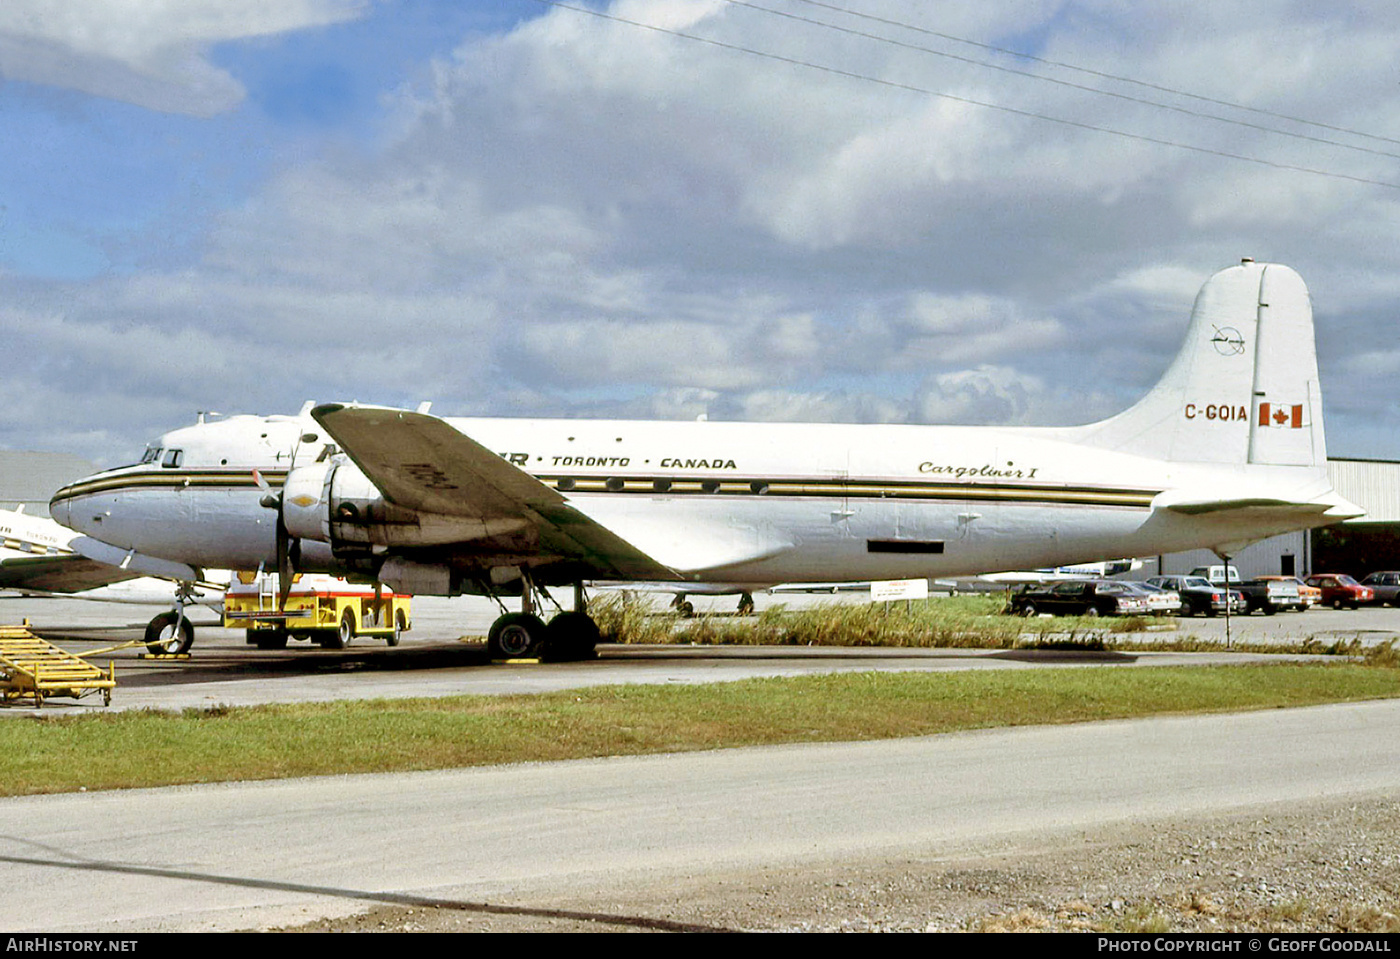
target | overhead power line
[
  {"x": 911, "y": 88},
  {"x": 1102, "y": 75},
  {"x": 1097, "y": 91}
]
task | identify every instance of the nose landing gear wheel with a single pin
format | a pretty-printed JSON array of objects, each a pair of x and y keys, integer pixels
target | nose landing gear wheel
[{"x": 164, "y": 637}]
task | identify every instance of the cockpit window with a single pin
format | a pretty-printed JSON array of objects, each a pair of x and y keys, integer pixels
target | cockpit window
[
  {"x": 172, "y": 458},
  {"x": 151, "y": 455}
]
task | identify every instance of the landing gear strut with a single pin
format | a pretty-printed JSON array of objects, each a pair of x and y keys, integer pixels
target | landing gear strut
[{"x": 523, "y": 635}]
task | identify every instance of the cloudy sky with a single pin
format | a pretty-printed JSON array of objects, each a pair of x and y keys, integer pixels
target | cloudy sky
[{"x": 862, "y": 210}]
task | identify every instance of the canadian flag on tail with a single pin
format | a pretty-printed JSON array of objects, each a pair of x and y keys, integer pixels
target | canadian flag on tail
[{"x": 1290, "y": 417}]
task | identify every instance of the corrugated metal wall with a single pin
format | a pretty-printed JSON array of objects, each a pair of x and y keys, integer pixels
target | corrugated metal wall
[{"x": 1371, "y": 484}]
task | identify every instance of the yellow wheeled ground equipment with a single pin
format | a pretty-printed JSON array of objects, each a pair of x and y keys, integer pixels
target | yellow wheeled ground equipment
[
  {"x": 325, "y": 609},
  {"x": 33, "y": 668}
]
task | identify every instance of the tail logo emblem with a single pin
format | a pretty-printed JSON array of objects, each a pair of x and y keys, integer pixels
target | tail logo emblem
[{"x": 1227, "y": 341}]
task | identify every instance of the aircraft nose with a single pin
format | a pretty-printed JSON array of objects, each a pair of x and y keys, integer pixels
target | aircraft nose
[
  {"x": 59, "y": 509},
  {"x": 66, "y": 510}
]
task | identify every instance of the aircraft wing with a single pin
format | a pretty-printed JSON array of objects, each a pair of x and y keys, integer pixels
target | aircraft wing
[
  {"x": 421, "y": 462},
  {"x": 59, "y": 573}
]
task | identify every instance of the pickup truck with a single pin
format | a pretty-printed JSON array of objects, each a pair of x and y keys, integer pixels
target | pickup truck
[
  {"x": 1266, "y": 595},
  {"x": 1198, "y": 596}
]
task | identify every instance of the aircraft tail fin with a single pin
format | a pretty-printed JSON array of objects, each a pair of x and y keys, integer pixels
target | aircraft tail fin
[{"x": 1243, "y": 389}]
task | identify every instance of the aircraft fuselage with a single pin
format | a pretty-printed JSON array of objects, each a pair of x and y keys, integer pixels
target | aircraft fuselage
[{"x": 738, "y": 502}]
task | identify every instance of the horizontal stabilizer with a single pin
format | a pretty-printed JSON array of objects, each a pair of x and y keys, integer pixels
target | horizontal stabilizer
[{"x": 1197, "y": 507}]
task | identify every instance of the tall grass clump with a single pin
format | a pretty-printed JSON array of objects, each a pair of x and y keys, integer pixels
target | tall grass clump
[{"x": 954, "y": 621}]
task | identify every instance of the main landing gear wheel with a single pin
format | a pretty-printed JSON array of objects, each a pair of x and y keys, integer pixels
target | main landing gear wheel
[
  {"x": 516, "y": 636},
  {"x": 164, "y": 637},
  {"x": 571, "y": 636}
]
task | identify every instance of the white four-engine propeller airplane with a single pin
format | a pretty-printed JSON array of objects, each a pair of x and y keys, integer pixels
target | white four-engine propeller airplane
[{"x": 1227, "y": 449}]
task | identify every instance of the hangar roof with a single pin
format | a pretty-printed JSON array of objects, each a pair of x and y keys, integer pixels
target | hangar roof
[{"x": 30, "y": 478}]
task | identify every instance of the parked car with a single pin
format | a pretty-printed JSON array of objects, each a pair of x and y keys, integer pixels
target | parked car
[
  {"x": 1160, "y": 602},
  {"x": 1198, "y": 596},
  {"x": 1339, "y": 589},
  {"x": 1100, "y": 597},
  {"x": 1310, "y": 595},
  {"x": 1386, "y": 587}
]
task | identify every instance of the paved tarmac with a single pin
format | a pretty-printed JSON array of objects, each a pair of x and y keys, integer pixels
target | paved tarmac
[
  {"x": 250, "y": 855},
  {"x": 444, "y": 654}
]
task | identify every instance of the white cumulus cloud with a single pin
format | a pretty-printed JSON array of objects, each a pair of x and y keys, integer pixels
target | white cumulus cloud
[{"x": 153, "y": 53}]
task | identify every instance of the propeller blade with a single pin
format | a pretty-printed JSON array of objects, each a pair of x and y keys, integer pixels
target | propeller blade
[{"x": 284, "y": 564}]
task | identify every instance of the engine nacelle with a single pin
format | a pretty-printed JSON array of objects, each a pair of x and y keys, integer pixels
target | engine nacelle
[
  {"x": 333, "y": 502},
  {"x": 419, "y": 579}
]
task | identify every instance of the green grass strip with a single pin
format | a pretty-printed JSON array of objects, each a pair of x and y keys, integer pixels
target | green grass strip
[{"x": 134, "y": 749}]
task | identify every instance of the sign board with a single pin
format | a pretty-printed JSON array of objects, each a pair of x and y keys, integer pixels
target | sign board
[{"x": 885, "y": 591}]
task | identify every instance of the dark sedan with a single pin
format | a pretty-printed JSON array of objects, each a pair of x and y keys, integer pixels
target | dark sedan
[{"x": 1101, "y": 597}]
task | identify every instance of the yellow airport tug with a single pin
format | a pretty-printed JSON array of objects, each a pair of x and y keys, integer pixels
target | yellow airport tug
[{"x": 324, "y": 609}]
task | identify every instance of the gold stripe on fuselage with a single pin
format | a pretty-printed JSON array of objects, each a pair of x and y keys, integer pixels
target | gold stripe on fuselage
[
  {"x": 169, "y": 479},
  {"x": 658, "y": 485}
]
